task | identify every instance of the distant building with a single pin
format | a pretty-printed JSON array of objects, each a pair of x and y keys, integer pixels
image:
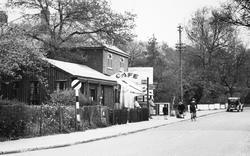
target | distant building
[{"x": 143, "y": 73}]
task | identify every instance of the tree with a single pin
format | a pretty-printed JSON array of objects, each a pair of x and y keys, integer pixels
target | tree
[
  {"x": 236, "y": 12},
  {"x": 61, "y": 21},
  {"x": 213, "y": 41},
  {"x": 19, "y": 57},
  {"x": 136, "y": 52},
  {"x": 231, "y": 68},
  {"x": 208, "y": 35},
  {"x": 152, "y": 52},
  {"x": 166, "y": 71}
]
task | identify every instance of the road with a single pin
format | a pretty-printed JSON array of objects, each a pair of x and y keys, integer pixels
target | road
[{"x": 222, "y": 134}]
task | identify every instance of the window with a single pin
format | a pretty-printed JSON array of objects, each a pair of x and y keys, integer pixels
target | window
[
  {"x": 60, "y": 85},
  {"x": 122, "y": 64},
  {"x": 82, "y": 88},
  {"x": 15, "y": 89},
  {"x": 102, "y": 96},
  {"x": 93, "y": 94},
  {"x": 143, "y": 81},
  {"x": 34, "y": 88},
  {"x": 34, "y": 92},
  {"x": 117, "y": 95},
  {"x": 110, "y": 60}
]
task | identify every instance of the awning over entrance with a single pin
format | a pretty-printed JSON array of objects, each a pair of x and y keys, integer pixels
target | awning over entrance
[
  {"x": 129, "y": 90},
  {"x": 82, "y": 71}
]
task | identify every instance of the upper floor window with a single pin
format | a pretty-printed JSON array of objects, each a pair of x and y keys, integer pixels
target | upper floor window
[
  {"x": 122, "y": 64},
  {"x": 110, "y": 57}
]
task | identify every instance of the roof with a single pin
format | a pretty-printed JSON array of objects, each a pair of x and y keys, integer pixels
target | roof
[
  {"x": 92, "y": 41},
  {"x": 115, "y": 50},
  {"x": 80, "y": 70}
]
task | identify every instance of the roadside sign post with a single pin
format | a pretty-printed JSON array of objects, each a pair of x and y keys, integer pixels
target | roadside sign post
[
  {"x": 76, "y": 85},
  {"x": 148, "y": 97}
]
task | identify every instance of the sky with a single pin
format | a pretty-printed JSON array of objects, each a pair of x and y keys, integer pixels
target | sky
[{"x": 161, "y": 17}]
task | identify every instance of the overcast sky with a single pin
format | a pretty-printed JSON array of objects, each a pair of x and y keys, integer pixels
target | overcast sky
[{"x": 161, "y": 17}]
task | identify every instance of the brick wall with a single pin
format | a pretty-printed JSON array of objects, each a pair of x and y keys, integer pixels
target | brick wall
[{"x": 115, "y": 63}]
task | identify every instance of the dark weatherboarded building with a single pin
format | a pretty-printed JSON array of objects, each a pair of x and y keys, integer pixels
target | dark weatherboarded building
[{"x": 92, "y": 65}]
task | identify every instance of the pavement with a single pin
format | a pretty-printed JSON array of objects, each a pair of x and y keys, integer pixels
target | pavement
[{"x": 63, "y": 140}]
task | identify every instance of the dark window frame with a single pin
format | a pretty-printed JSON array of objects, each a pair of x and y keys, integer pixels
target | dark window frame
[
  {"x": 110, "y": 60},
  {"x": 61, "y": 85}
]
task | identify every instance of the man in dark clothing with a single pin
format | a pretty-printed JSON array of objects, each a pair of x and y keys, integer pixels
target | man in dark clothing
[
  {"x": 193, "y": 106},
  {"x": 181, "y": 109},
  {"x": 165, "y": 111}
]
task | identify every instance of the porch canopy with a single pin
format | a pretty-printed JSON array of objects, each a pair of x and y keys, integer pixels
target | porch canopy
[
  {"x": 129, "y": 90},
  {"x": 83, "y": 72}
]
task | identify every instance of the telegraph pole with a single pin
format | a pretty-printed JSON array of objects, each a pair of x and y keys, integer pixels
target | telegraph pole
[{"x": 180, "y": 47}]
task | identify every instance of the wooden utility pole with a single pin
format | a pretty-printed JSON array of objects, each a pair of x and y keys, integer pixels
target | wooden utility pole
[{"x": 180, "y": 47}]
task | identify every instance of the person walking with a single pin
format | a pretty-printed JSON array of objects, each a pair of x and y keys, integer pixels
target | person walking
[
  {"x": 181, "y": 108},
  {"x": 165, "y": 111},
  {"x": 193, "y": 106}
]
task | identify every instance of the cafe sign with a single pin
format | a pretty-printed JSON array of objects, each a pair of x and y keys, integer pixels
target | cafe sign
[{"x": 127, "y": 75}]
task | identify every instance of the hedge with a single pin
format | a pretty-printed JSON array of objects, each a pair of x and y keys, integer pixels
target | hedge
[{"x": 19, "y": 121}]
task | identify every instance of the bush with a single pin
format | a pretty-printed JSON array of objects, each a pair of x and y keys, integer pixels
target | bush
[
  {"x": 91, "y": 116},
  {"x": 57, "y": 119},
  {"x": 64, "y": 98},
  {"x": 67, "y": 98}
]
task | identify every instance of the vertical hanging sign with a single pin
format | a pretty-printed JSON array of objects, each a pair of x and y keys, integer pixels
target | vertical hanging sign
[{"x": 76, "y": 85}]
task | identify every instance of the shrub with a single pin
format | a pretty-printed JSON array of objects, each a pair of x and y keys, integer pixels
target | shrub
[
  {"x": 67, "y": 98},
  {"x": 64, "y": 98},
  {"x": 91, "y": 116},
  {"x": 57, "y": 119}
]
